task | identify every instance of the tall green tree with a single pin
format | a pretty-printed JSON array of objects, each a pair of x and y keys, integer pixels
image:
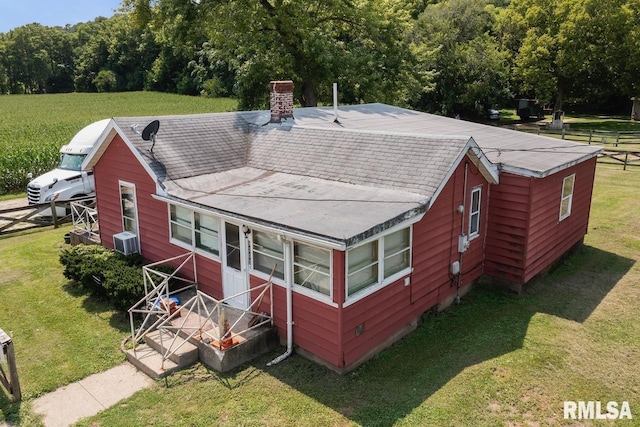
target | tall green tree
[
  {"x": 577, "y": 49},
  {"x": 358, "y": 43},
  {"x": 112, "y": 54},
  {"x": 36, "y": 59},
  {"x": 453, "y": 40}
]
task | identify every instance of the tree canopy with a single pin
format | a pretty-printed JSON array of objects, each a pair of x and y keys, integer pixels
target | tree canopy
[{"x": 444, "y": 56}]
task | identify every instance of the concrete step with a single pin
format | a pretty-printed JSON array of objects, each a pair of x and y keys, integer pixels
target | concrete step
[
  {"x": 150, "y": 361},
  {"x": 184, "y": 353}
]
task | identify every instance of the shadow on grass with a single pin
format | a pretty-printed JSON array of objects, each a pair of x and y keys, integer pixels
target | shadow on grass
[
  {"x": 99, "y": 306},
  {"x": 487, "y": 324},
  {"x": 10, "y": 410}
]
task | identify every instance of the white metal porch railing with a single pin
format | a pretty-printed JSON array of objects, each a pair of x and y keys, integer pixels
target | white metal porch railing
[
  {"x": 85, "y": 217},
  {"x": 212, "y": 326},
  {"x": 210, "y": 313},
  {"x": 156, "y": 288}
]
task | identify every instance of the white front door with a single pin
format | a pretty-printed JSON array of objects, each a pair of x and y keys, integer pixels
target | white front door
[{"x": 235, "y": 266}]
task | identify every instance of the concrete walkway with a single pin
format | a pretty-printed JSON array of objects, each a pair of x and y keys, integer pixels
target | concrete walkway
[{"x": 90, "y": 395}]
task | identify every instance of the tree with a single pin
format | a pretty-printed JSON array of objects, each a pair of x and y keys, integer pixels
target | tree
[
  {"x": 470, "y": 73},
  {"x": 357, "y": 43},
  {"x": 579, "y": 49},
  {"x": 36, "y": 59},
  {"x": 112, "y": 45}
]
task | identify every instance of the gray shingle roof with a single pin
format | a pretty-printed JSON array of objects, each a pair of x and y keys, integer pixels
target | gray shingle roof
[
  {"x": 514, "y": 151},
  {"x": 385, "y": 160},
  {"x": 341, "y": 181},
  {"x": 191, "y": 145}
]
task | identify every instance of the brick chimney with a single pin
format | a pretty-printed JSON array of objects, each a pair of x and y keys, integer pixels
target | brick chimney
[{"x": 281, "y": 100}]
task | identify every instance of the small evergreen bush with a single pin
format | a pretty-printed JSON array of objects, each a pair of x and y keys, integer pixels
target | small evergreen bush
[{"x": 105, "y": 273}]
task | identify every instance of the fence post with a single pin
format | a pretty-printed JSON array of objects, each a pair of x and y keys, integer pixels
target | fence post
[
  {"x": 13, "y": 385},
  {"x": 626, "y": 157},
  {"x": 590, "y": 135},
  {"x": 617, "y": 138},
  {"x": 54, "y": 213}
]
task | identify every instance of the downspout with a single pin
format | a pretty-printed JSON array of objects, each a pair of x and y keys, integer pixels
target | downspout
[
  {"x": 462, "y": 242},
  {"x": 289, "y": 291}
]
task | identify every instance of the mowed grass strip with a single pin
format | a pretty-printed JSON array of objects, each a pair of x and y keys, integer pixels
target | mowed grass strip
[{"x": 34, "y": 127}]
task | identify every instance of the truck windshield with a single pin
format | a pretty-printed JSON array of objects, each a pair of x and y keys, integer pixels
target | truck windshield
[{"x": 71, "y": 161}]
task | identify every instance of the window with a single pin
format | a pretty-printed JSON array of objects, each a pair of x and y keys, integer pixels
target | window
[
  {"x": 268, "y": 251},
  {"x": 396, "y": 252},
  {"x": 206, "y": 230},
  {"x": 363, "y": 267},
  {"x": 378, "y": 262},
  {"x": 567, "y": 196},
  {"x": 181, "y": 224},
  {"x": 312, "y": 268},
  {"x": 474, "y": 213},
  {"x": 195, "y": 229},
  {"x": 129, "y": 208}
]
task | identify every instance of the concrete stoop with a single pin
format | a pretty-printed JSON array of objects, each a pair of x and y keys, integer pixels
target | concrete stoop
[{"x": 148, "y": 358}]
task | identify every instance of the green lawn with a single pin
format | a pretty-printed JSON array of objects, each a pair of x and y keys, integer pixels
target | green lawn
[
  {"x": 495, "y": 359},
  {"x": 59, "y": 335}
]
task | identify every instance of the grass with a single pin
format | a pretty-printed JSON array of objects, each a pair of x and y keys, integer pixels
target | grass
[
  {"x": 59, "y": 335},
  {"x": 495, "y": 359},
  {"x": 13, "y": 196},
  {"x": 34, "y": 127}
]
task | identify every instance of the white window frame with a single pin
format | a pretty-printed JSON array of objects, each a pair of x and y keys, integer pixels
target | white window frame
[
  {"x": 305, "y": 290},
  {"x": 567, "y": 197},
  {"x": 193, "y": 246},
  {"x": 258, "y": 273},
  {"x": 135, "y": 207},
  {"x": 188, "y": 228},
  {"x": 200, "y": 231},
  {"x": 475, "y": 213},
  {"x": 382, "y": 281}
]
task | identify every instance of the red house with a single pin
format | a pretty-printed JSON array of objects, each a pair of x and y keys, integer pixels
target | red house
[{"x": 371, "y": 214}]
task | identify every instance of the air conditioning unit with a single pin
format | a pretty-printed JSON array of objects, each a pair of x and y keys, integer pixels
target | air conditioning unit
[{"x": 126, "y": 242}]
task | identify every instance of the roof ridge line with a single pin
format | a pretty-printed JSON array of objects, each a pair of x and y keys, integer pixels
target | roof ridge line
[{"x": 382, "y": 132}]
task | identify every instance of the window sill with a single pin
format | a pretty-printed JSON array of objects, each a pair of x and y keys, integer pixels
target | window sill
[{"x": 363, "y": 293}]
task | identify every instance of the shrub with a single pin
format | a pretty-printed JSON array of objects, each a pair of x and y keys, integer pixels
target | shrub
[{"x": 105, "y": 273}]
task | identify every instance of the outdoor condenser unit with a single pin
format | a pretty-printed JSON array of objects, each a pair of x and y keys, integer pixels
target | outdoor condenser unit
[{"x": 125, "y": 242}]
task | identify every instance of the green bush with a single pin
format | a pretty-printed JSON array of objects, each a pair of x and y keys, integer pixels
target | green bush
[{"x": 105, "y": 273}]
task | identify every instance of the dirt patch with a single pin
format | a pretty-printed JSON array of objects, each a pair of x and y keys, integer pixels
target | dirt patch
[{"x": 14, "y": 203}]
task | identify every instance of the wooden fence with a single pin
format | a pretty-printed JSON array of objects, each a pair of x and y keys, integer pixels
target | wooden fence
[
  {"x": 8, "y": 368},
  {"x": 620, "y": 147},
  {"x": 26, "y": 217}
]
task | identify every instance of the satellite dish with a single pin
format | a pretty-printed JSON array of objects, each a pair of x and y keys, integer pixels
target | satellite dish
[{"x": 150, "y": 131}]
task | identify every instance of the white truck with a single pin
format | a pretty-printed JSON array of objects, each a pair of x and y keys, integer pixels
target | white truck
[{"x": 68, "y": 180}]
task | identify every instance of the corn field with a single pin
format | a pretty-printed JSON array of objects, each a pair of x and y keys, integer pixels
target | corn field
[{"x": 34, "y": 127}]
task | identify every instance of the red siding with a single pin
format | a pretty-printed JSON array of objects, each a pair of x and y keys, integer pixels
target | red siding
[
  {"x": 525, "y": 235},
  {"x": 435, "y": 247},
  {"x": 315, "y": 323},
  {"x": 119, "y": 164},
  {"x": 548, "y": 237},
  {"x": 509, "y": 206}
]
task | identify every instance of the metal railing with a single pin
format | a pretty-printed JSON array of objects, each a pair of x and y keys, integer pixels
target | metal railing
[
  {"x": 84, "y": 216},
  {"x": 212, "y": 326},
  {"x": 157, "y": 288}
]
